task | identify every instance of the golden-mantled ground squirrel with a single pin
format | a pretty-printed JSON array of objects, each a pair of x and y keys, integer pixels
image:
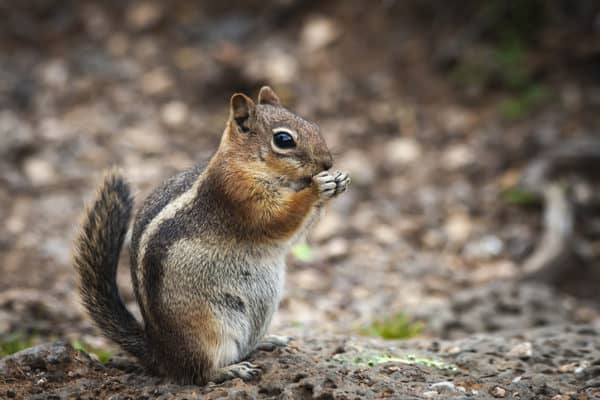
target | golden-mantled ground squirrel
[{"x": 208, "y": 247}]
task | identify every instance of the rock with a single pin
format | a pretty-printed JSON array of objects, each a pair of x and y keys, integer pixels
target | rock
[
  {"x": 144, "y": 15},
  {"x": 39, "y": 171},
  {"x": 444, "y": 387},
  {"x": 485, "y": 248},
  {"x": 457, "y": 156},
  {"x": 145, "y": 138},
  {"x": 156, "y": 81},
  {"x": 55, "y": 74},
  {"x": 118, "y": 44},
  {"x": 318, "y": 32},
  {"x": 335, "y": 248},
  {"x": 281, "y": 69},
  {"x": 573, "y": 367},
  {"x": 402, "y": 151},
  {"x": 174, "y": 113},
  {"x": 275, "y": 65},
  {"x": 385, "y": 234},
  {"x": 498, "y": 392},
  {"x": 433, "y": 239},
  {"x": 521, "y": 350},
  {"x": 15, "y": 135},
  {"x": 458, "y": 228},
  {"x": 457, "y": 119},
  {"x": 55, "y": 357},
  {"x": 498, "y": 306}
]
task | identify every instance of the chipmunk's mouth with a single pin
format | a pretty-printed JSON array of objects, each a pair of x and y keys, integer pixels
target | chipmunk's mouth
[{"x": 302, "y": 183}]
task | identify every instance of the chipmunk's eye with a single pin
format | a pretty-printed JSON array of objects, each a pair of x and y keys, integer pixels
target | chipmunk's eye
[{"x": 283, "y": 140}]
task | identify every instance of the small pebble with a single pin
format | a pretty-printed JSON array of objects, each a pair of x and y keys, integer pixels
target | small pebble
[
  {"x": 498, "y": 392},
  {"x": 457, "y": 156},
  {"x": 144, "y": 15},
  {"x": 174, "y": 113},
  {"x": 402, "y": 151},
  {"x": 522, "y": 350},
  {"x": 444, "y": 386},
  {"x": 319, "y": 32}
]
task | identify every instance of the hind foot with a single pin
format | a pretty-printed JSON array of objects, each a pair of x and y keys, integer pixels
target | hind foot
[
  {"x": 243, "y": 370},
  {"x": 271, "y": 342}
]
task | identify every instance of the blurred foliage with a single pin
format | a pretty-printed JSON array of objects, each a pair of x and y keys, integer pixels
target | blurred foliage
[
  {"x": 14, "y": 343},
  {"x": 514, "y": 21},
  {"x": 502, "y": 57},
  {"x": 525, "y": 102},
  {"x": 521, "y": 197},
  {"x": 103, "y": 355},
  {"x": 303, "y": 252},
  {"x": 399, "y": 326}
]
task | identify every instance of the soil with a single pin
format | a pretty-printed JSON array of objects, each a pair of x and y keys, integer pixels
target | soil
[
  {"x": 557, "y": 363},
  {"x": 427, "y": 229}
]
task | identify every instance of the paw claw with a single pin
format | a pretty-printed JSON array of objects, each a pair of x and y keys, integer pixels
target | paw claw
[{"x": 244, "y": 370}]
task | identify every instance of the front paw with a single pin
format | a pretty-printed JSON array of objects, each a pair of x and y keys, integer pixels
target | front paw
[
  {"x": 330, "y": 184},
  {"x": 342, "y": 181}
]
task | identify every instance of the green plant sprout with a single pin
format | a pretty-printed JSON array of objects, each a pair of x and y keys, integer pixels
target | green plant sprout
[
  {"x": 103, "y": 355},
  {"x": 399, "y": 326}
]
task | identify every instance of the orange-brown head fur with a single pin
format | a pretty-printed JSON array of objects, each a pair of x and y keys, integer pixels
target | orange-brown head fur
[
  {"x": 269, "y": 185},
  {"x": 249, "y": 136}
]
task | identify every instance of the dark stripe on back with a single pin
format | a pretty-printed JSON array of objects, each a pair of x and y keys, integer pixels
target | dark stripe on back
[
  {"x": 157, "y": 200},
  {"x": 152, "y": 206},
  {"x": 184, "y": 224}
]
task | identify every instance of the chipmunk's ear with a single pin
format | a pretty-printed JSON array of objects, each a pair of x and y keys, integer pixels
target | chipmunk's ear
[
  {"x": 268, "y": 96},
  {"x": 241, "y": 108}
]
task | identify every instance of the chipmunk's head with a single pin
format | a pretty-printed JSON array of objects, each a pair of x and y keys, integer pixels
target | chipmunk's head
[{"x": 274, "y": 141}]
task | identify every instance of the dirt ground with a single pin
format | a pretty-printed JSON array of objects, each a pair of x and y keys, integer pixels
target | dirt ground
[{"x": 435, "y": 115}]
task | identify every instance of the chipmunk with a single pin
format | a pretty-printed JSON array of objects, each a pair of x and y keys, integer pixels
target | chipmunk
[{"x": 208, "y": 247}]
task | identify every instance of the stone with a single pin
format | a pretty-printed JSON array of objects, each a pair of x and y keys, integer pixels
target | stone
[
  {"x": 319, "y": 32},
  {"x": 402, "y": 151},
  {"x": 45, "y": 357},
  {"x": 485, "y": 248},
  {"x": 335, "y": 248},
  {"x": 458, "y": 228},
  {"x": 457, "y": 156},
  {"x": 55, "y": 74},
  {"x": 174, "y": 113},
  {"x": 522, "y": 350},
  {"x": 39, "y": 171},
  {"x": 156, "y": 81},
  {"x": 15, "y": 134},
  {"x": 444, "y": 387},
  {"x": 144, "y": 15},
  {"x": 498, "y": 392}
]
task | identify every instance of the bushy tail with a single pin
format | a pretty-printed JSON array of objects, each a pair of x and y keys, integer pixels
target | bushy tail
[{"x": 97, "y": 252}]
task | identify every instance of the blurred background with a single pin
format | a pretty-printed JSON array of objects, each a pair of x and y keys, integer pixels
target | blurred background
[{"x": 470, "y": 129}]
